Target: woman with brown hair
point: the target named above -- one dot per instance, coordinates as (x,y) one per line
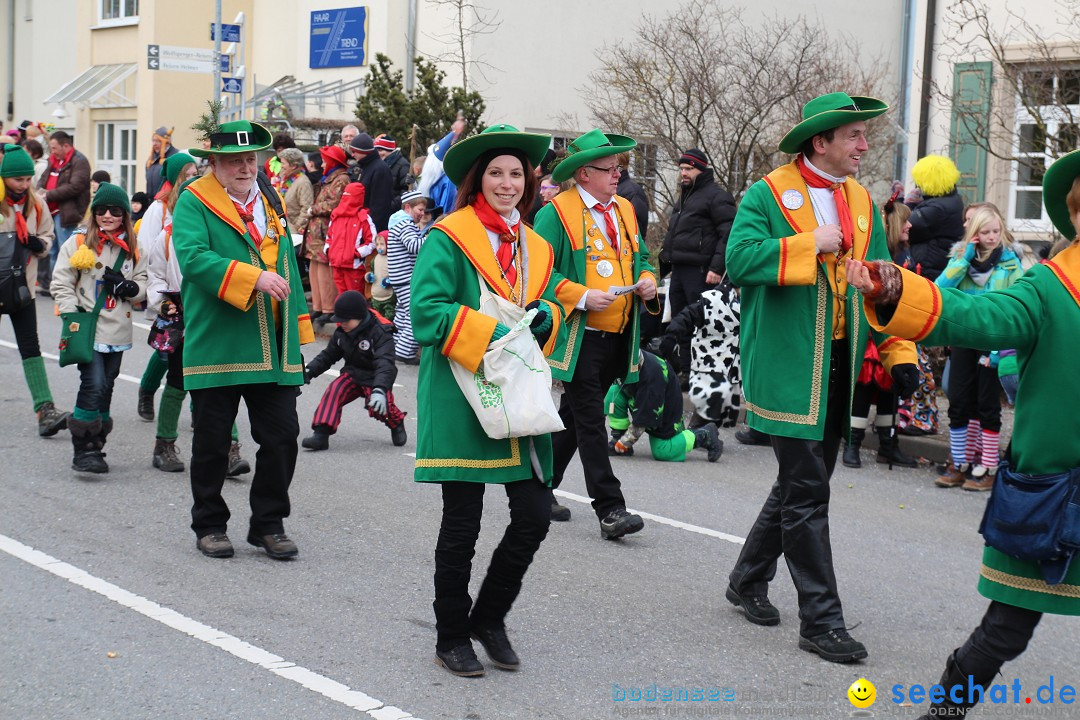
(85,269)
(26,229)
(482,247)
(327,196)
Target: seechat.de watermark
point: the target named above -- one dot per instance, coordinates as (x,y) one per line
(1050,693)
(670,693)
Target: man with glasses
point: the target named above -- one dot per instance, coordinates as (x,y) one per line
(606,276)
(245,320)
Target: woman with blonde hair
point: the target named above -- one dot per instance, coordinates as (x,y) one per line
(105,258)
(983,261)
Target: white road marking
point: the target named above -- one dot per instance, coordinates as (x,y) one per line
(330,689)
(708,532)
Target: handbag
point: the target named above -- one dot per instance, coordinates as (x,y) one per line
(1035,518)
(14,293)
(78,328)
(167,331)
(510,392)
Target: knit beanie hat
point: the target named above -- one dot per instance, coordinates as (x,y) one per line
(111,195)
(385,142)
(174,164)
(694,158)
(17,162)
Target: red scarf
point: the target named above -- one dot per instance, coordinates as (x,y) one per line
(496,223)
(117,240)
(22,232)
(163,193)
(55,166)
(816,181)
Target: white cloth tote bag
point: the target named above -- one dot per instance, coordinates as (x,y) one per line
(510,392)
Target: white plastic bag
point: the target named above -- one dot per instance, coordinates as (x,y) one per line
(510,392)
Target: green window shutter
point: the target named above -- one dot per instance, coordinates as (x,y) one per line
(970,125)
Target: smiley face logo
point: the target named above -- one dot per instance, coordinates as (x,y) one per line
(862,693)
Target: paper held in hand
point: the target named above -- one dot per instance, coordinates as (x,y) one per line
(618,290)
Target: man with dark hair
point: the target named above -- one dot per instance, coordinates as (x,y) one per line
(801,327)
(66,186)
(399,167)
(696,238)
(378,183)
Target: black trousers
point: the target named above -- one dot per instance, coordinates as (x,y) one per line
(463,505)
(601,360)
(274,427)
(687,284)
(862,397)
(1002,636)
(24,323)
(794,521)
(974,391)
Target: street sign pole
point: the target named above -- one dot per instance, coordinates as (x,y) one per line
(243,58)
(217,51)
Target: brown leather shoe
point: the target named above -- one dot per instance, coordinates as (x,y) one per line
(215,545)
(981,481)
(277,545)
(954,476)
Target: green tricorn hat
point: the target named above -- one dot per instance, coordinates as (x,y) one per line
(1057,182)
(590,146)
(826,112)
(460,157)
(238,136)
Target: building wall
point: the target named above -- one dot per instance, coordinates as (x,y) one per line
(45,59)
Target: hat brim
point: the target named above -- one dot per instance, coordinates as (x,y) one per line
(260,140)
(1057,182)
(568,165)
(811,126)
(460,157)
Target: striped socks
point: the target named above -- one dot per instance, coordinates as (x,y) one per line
(958,446)
(990,450)
(974,442)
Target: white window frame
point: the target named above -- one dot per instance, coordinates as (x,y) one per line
(1055,117)
(108,139)
(129,13)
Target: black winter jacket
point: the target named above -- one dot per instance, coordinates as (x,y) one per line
(636,195)
(937,223)
(699,226)
(368,352)
(399,172)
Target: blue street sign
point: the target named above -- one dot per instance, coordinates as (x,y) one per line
(229,33)
(232,85)
(226,63)
(338,38)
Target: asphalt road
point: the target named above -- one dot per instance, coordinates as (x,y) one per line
(109,611)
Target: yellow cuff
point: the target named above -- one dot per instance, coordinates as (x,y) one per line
(307,333)
(798,260)
(917,311)
(556,323)
(469,337)
(569,295)
(895,351)
(238,285)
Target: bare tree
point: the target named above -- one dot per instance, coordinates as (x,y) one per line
(701,76)
(469,21)
(1036,81)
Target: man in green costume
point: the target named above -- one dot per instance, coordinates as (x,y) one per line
(802,338)
(246,319)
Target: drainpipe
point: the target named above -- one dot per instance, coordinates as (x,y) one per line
(10,109)
(928,60)
(907,44)
(410,45)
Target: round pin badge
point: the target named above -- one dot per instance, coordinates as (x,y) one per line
(604,268)
(792,199)
(863,223)
(365,344)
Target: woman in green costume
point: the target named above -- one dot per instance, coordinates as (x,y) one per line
(483,241)
(1039,315)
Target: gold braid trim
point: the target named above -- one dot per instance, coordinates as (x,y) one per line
(1019,582)
(810,418)
(571,343)
(513,461)
(264,338)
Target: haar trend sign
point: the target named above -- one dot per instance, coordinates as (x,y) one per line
(339,38)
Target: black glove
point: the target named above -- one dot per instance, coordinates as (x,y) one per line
(307,376)
(118,286)
(35,244)
(905,379)
(542,324)
(667,346)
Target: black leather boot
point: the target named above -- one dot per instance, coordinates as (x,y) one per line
(84,438)
(851,452)
(707,437)
(953,675)
(889,450)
